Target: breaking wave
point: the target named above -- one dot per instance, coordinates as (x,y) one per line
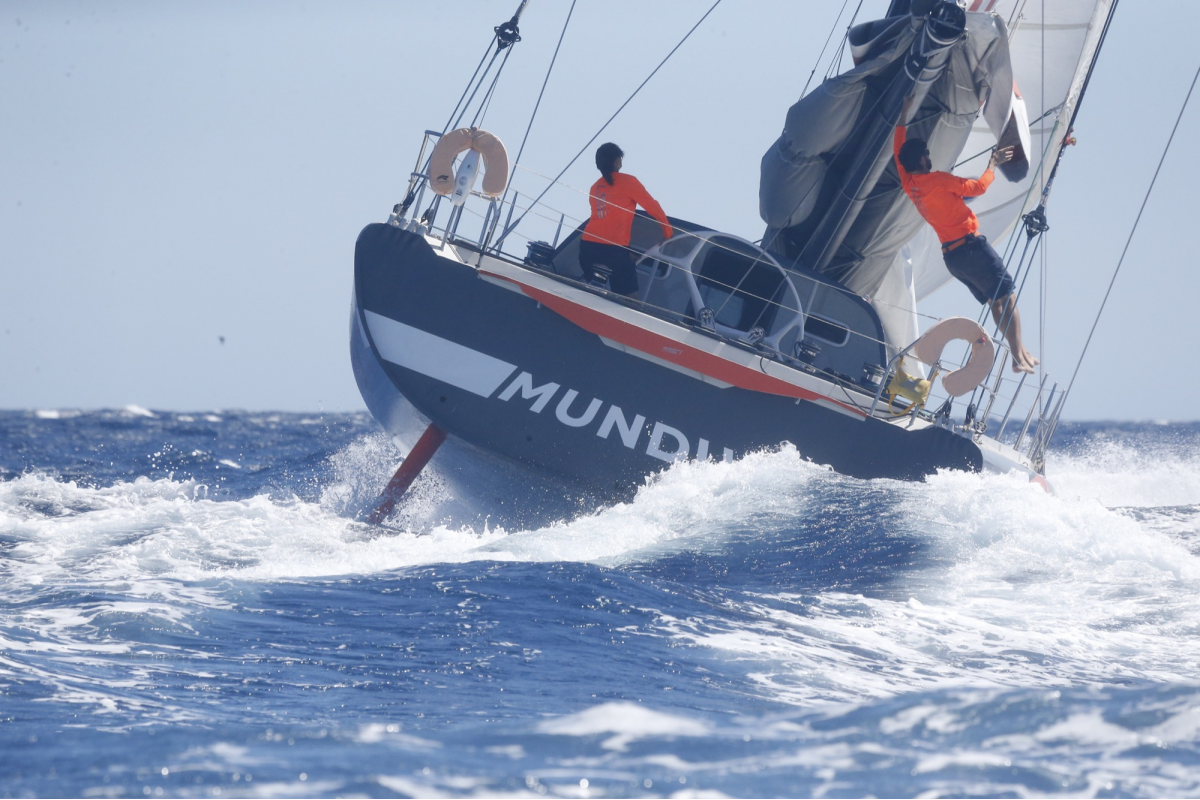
(809,612)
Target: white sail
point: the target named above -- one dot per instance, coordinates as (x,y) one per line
(1052,43)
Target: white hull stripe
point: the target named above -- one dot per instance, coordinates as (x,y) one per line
(436,357)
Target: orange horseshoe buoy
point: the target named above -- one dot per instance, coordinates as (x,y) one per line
(928,349)
(495,160)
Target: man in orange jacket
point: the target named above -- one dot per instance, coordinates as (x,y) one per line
(938,197)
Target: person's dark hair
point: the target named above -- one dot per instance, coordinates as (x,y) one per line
(606,160)
(911,153)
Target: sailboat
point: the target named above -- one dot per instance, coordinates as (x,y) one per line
(807,336)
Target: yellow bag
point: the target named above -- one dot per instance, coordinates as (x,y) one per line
(914,390)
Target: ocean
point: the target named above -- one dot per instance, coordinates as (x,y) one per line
(190,608)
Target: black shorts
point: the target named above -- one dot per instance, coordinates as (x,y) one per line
(618,259)
(980,267)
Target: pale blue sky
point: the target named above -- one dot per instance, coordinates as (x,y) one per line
(171,173)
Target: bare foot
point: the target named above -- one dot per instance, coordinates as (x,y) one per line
(1020,366)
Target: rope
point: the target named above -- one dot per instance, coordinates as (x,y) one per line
(510,228)
(1124,251)
(984,152)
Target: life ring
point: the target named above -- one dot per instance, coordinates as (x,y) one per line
(495,160)
(928,349)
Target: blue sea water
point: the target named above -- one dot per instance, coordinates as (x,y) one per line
(188,607)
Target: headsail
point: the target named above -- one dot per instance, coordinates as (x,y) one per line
(1052,46)
(996,68)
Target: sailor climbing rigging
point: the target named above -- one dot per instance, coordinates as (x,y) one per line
(938,197)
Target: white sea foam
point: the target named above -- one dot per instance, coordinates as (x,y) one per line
(137,411)
(1024,589)
(53,413)
(1115,473)
(627,721)
(993,526)
(1020,587)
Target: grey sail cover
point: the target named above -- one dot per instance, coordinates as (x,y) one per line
(1052,44)
(800,167)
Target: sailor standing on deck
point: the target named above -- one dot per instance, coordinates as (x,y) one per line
(605,239)
(938,196)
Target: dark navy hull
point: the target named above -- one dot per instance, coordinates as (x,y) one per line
(529,414)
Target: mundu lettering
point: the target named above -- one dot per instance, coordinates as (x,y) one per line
(663,441)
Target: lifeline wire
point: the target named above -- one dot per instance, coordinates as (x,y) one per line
(510,228)
(1121,261)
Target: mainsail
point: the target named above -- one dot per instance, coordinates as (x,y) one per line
(829,191)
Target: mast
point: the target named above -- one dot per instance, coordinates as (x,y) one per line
(942,25)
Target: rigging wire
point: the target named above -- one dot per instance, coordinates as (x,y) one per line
(411,195)
(1042,98)
(475,91)
(508,229)
(1035,221)
(984,152)
(503,37)
(470,83)
(545,81)
(1125,251)
(486,103)
(638,254)
(1042,271)
(835,62)
(538,104)
(1079,102)
(828,39)
(1044,299)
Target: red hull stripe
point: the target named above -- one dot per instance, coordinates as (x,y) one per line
(666,349)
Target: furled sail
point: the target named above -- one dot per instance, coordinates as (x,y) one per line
(1052,45)
(829,191)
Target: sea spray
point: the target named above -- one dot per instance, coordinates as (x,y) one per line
(757,628)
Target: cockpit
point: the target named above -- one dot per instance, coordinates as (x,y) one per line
(725,283)
(742,292)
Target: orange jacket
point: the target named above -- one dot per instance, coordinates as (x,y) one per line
(612,210)
(938,196)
